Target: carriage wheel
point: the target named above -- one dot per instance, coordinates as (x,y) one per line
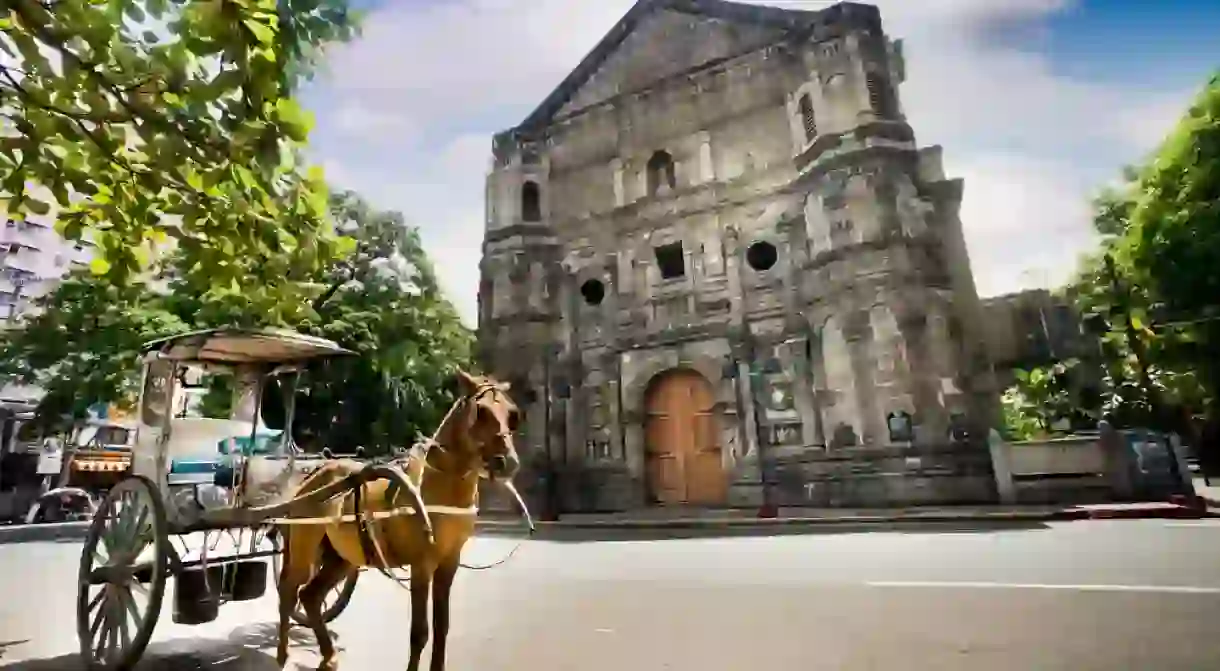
(336,600)
(122,576)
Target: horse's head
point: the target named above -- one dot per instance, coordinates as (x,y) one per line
(491,418)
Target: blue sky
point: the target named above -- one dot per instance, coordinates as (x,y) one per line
(1037,103)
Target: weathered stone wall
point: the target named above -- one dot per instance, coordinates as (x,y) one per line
(694,136)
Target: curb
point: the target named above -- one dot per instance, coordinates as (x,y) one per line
(65,531)
(57,531)
(496,527)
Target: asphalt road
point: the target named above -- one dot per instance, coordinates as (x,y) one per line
(1073,596)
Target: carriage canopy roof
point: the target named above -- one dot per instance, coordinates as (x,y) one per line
(242,346)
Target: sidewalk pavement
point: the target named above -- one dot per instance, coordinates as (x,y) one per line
(788,519)
(1210,494)
(795,519)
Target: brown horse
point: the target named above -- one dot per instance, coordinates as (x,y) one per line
(473,442)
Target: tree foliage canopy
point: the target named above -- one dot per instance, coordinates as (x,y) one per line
(1172,247)
(166,133)
(83,343)
(383,302)
(154,124)
(1161,228)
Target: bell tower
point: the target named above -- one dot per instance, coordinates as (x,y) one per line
(520,275)
(893,306)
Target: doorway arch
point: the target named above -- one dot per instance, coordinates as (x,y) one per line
(682,449)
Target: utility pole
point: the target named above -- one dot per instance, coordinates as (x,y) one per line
(1122,295)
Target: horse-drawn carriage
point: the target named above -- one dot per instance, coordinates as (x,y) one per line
(233,481)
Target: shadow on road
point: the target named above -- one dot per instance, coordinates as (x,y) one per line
(248,648)
(610,534)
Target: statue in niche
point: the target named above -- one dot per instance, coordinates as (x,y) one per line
(959,430)
(785,434)
(844,436)
(900,426)
(780,397)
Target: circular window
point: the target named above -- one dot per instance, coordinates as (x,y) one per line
(593,291)
(761,256)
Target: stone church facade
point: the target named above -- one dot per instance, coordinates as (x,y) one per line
(715,257)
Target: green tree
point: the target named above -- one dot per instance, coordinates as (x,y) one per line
(81,345)
(1172,246)
(1040,399)
(384,303)
(155,124)
(1162,231)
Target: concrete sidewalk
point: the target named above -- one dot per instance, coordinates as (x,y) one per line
(743,520)
(1210,494)
(828,518)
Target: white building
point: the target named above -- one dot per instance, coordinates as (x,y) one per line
(33,259)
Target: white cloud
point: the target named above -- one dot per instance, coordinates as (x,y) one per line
(407,113)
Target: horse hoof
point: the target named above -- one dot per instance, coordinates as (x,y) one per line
(331,665)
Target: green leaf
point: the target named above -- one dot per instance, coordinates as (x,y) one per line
(194,180)
(99,266)
(262,33)
(38,207)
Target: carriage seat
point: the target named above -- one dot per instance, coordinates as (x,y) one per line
(194,447)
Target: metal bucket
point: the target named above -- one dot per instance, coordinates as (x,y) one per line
(246,580)
(197,594)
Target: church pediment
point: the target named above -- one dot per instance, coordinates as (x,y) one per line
(662,38)
(665,44)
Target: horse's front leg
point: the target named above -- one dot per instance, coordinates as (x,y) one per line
(421,583)
(293,574)
(333,570)
(442,585)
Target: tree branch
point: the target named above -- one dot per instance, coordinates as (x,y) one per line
(332,290)
(48,36)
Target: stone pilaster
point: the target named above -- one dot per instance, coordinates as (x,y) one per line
(859,334)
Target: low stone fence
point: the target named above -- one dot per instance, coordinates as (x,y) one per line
(882,477)
(1074,469)
(1087,468)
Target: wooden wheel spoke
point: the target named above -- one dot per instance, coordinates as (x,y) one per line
(139,588)
(131,608)
(112,524)
(97,631)
(127,522)
(125,607)
(100,556)
(113,620)
(96,623)
(95,601)
(140,529)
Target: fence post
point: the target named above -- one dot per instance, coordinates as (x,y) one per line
(1001,466)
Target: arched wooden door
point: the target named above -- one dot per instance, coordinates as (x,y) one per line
(683,453)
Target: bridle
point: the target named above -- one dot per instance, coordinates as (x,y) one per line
(425,445)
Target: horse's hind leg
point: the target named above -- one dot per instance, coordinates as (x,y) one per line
(332,569)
